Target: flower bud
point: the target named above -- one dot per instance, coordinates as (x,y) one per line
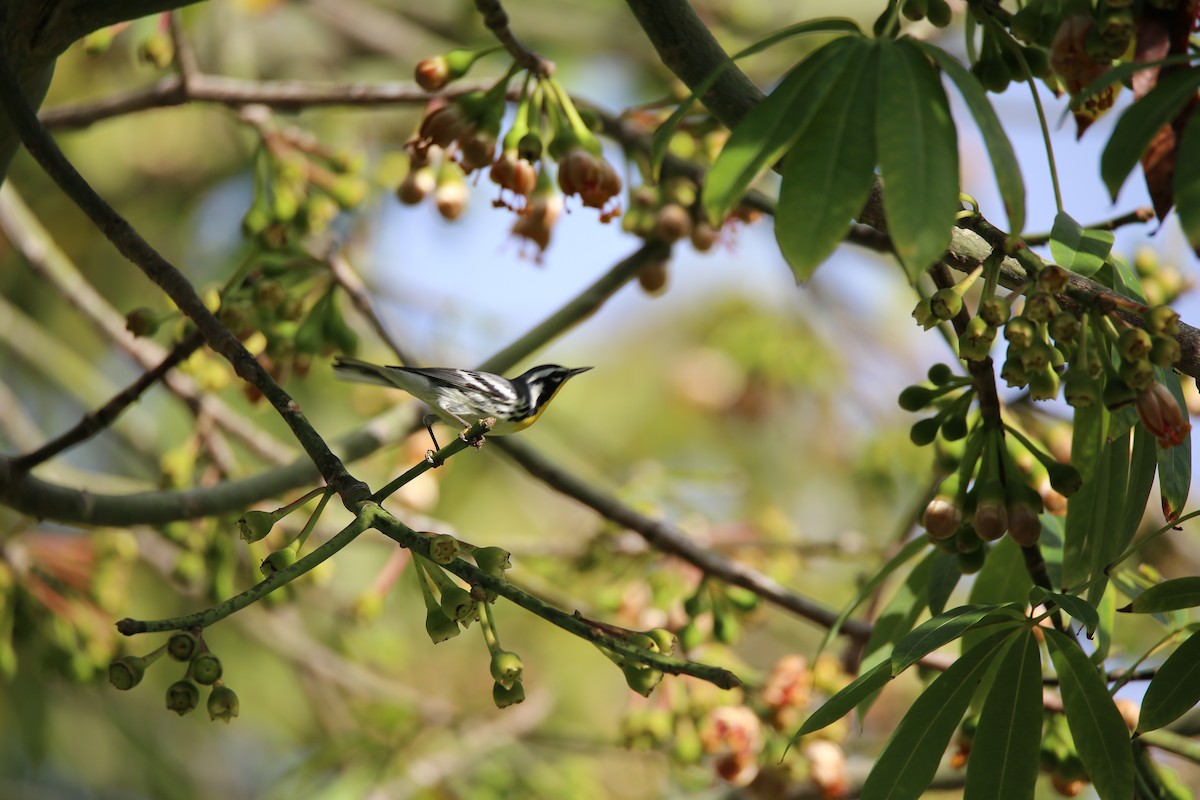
(653,278)
(1163,321)
(1134,344)
(432,74)
(942,517)
(1065,326)
(975,343)
(991,517)
(589,176)
(443,126)
(995,311)
(443,548)
(157,50)
(1013,372)
(142,322)
(1165,352)
(493,560)
(1139,375)
(672,223)
(506,668)
(1081,390)
(127,672)
(923,314)
(222,704)
(642,679)
(1020,331)
(1036,357)
(514,173)
(1064,478)
(278,561)
(1043,384)
(416,186)
(439,626)
(924,431)
(971,562)
(703,236)
(206,669)
(946,303)
(1053,279)
(664,639)
(182,645)
(1161,415)
(504,696)
(451,194)
(255,525)
(182,697)
(457,603)
(939,374)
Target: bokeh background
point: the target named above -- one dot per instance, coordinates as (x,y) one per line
(758,415)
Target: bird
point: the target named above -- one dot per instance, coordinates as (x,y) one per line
(465,397)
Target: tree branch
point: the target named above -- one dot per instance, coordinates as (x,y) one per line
(171,280)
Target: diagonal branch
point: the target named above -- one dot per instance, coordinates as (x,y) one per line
(170,279)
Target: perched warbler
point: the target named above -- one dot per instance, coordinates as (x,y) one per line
(463,397)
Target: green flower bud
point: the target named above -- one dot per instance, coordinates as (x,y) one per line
(1043,384)
(1163,321)
(439,626)
(1134,344)
(127,672)
(1138,374)
(1041,307)
(741,598)
(726,628)
(457,603)
(1064,478)
(1053,279)
(1013,372)
(940,374)
(971,562)
(504,696)
(255,525)
(975,343)
(1064,327)
(142,322)
(182,645)
(690,636)
(923,314)
(966,540)
(493,560)
(1117,394)
(182,697)
(506,668)
(1020,331)
(277,562)
(914,398)
(206,669)
(939,13)
(924,431)
(994,311)
(954,427)
(1165,352)
(1080,389)
(642,679)
(665,640)
(222,704)
(946,303)
(698,602)
(1035,358)
(443,548)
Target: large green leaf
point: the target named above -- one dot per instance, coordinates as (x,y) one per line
(1100,735)
(1167,596)
(917,147)
(1108,537)
(774,125)
(1187,180)
(1000,150)
(1081,610)
(840,704)
(1004,754)
(1003,579)
(910,757)
(945,628)
(830,169)
(1141,121)
(1175,689)
(1079,249)
(662,136)
(945,577)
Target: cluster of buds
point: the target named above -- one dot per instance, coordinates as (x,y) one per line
(300,184)
(989,490)
(936,11)
(1003,60)
(464,132)
(203,668)
(715,609)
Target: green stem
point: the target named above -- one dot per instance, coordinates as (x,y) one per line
(1172,742)
(312,520)
(1145,540)
(202,619)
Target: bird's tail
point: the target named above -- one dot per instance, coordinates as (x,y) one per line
(351,369)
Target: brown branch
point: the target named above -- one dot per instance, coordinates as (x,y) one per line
(670,539)
(130,243)
(96,421)
(496,20)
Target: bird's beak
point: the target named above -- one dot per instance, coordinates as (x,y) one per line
(577,371)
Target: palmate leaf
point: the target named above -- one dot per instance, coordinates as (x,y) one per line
(1000,149)
(1140,122)
(1100,735)
(917,150)
(830,168)
(662,136)
(1004,753)
(773,126)
(910,758)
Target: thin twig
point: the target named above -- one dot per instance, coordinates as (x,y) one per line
(352,283)
(496,20)
(96,421)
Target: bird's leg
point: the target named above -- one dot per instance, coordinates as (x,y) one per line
(431,455)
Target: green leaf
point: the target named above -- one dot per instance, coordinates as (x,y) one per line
(945,628)
(945,577)
(1088,438)
(1174,463)
(662,137)
(1003,579)
(774,125)
(1000,149)
(1187,180)
(1167,596)
(1080,609)
(1121,73)
(1079,249)
(1139,123)
(840,704)
(830,169)
(1004,754)
(917,148)
(1100,735)
(917,545)
(1142,466)
(1108,538)
(1175,689)
(910,758)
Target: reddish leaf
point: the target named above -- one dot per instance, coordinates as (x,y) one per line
(1158,164)
(1153,44)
